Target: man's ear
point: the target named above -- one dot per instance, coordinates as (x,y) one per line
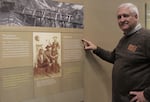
(136,16)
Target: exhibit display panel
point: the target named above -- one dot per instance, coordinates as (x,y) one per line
(21,79)
(16,66)
(41,56)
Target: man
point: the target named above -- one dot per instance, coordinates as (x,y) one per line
(130,58)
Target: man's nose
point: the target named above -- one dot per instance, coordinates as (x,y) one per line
(122,19)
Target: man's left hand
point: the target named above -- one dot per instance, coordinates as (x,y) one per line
(138,96)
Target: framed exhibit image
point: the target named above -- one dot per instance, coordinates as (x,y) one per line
(41,13)
(46,54)
(147,15)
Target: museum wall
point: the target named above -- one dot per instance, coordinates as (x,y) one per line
(102,29)
(82,76)
(22,78)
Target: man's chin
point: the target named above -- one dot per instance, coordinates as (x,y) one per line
(125,29)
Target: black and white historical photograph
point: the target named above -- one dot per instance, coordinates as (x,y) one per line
(41,13)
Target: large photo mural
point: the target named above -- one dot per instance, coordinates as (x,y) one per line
(41,13)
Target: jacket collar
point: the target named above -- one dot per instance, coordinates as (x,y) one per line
(137,27)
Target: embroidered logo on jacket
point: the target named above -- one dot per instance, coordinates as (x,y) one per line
(132,47)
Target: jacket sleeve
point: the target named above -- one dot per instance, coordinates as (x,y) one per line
(147,94)
(147,50)
(105,55)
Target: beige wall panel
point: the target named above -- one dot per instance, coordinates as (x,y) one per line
(69,87)
(148,15)
(16,49)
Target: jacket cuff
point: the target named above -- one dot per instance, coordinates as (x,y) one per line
(96,50)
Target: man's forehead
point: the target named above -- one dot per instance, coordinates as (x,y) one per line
(123,10)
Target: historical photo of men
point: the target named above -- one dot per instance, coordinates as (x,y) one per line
(46,54)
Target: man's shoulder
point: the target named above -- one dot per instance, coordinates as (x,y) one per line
(144,31)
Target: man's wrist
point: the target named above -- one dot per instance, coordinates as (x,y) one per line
(96,47)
